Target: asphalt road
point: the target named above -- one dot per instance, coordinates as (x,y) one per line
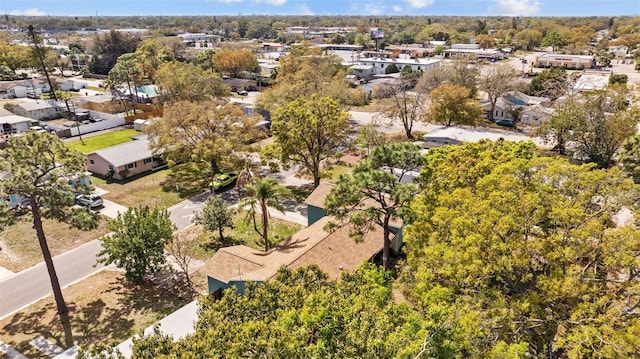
(33,284)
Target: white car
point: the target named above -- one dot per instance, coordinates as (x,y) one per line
(89,200)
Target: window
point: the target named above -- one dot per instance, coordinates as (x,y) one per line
(92,162)
(131,165)
(146,161)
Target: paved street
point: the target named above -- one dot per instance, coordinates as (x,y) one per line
(33,284)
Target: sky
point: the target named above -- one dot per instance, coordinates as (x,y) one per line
(321,7)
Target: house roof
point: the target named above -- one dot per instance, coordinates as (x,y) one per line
(37,105)
(128,152)
(14,119)
(588,82)
(462,134)
(5,85)
(5,112)
(332,252)
(316,198)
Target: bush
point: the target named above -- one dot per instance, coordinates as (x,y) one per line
(391,69)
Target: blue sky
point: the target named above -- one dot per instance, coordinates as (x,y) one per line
(322,7)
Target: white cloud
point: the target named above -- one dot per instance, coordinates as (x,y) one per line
(303,9)
(27,12)
(371,9)
(419,4)
(228,1)
(397,8)
(515,7)
(272,2)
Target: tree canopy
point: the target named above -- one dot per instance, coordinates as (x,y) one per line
(377,192)
(137,242)
(306,132)
(179,81)
(525,250)
(452,104)
(232,62)
(206,135)
(303,314)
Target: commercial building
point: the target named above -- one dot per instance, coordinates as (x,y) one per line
(574,62)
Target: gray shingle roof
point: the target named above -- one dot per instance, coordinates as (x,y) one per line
(129,152)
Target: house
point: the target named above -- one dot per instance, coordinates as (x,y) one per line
(241,84)
(473,51)
(316,211)
(38,110)
(454,135)
(124,160)
(511,104)
(13,89)
(536,115)
(14,124)
(16,200)
(619,51)
(334,252)
(378,65)
(592,80)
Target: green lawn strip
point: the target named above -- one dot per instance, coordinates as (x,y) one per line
(147,189)
(244,233)
(98,142)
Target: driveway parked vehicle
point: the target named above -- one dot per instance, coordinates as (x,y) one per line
(222,180)
(89,200)
(505,122)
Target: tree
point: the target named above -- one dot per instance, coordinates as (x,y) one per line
(106,48)
(497,81)
(456,72)
(206,135)
(179,81)
(137,242)
(527,248)
(400,102)
(528,39)
(303,314)
(126,70)
(485,41)
(306,73)
(391,69)
(216,215)
(39,54)
(183,246)
(551,83)
(630,157)
(14,57)
(376,193)
(451,104)
(38,167)
(554,39)
(263,193)
(232,62)
(306,132)
(152,53)
(618,79)
(598,123)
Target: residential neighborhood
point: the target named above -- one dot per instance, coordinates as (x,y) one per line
(319,186)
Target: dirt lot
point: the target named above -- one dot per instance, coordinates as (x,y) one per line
(20,248)
(104,309)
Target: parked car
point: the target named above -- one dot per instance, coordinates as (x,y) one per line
(505,122)
(222,180)
(89,200)
(242,92)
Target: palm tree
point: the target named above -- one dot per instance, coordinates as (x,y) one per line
(263,193)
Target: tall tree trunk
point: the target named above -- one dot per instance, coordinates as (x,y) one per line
(40,56)
(265,224)
(386,247)
(55,284)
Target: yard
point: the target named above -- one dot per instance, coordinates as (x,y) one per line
(94,143)
(20,248)
(143,190)
(104,309)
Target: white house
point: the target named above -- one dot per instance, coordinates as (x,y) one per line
(13,89)
(38,110)
(13,124)
(377,66)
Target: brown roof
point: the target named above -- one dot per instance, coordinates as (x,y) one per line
(316,198)
(311,245)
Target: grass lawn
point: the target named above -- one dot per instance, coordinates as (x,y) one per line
(371,107)
(20,248)
(243,233)
(104,309)
(336,171)
(143,190)
(94,143)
